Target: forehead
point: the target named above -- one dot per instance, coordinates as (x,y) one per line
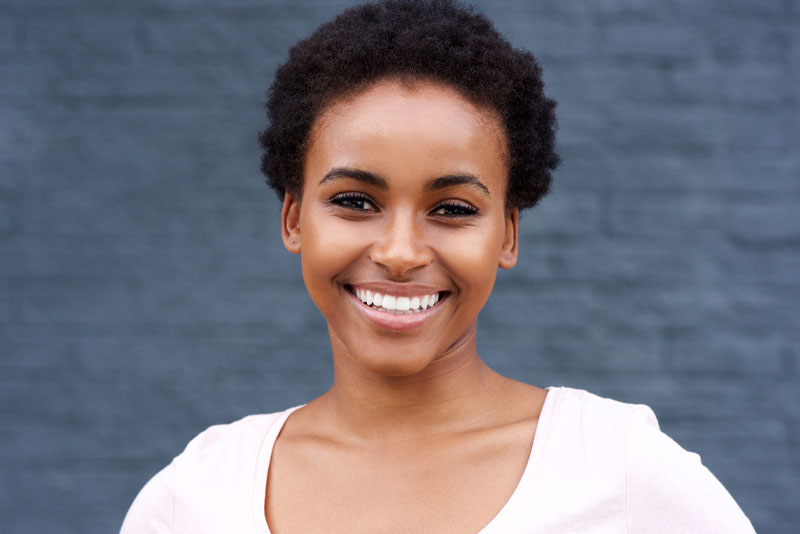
(417,127)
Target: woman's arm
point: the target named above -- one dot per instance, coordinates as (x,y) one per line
(669,490)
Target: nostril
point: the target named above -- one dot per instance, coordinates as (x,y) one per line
(400,259)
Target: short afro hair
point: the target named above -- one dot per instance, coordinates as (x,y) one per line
(437,40)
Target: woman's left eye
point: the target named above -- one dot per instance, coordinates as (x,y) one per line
(354,202)
(454,209)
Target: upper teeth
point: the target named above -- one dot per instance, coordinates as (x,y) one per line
(393,303)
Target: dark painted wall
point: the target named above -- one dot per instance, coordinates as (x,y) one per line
(144,294)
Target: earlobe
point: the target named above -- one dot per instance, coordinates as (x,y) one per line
(508,253)
(290,223)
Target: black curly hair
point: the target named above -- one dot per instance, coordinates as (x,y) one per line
(437,40)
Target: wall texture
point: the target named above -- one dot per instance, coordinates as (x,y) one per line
(144,294)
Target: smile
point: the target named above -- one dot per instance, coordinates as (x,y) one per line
(396,304)
(397,313)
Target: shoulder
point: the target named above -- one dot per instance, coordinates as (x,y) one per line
(582,437)
(668,489)
(225,439)
(216,466)
(579,400)
(616,448)
(604,423)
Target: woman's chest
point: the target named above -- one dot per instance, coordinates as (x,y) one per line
(456,487)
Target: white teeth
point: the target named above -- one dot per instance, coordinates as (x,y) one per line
(389,302)
(396,304)
(402,304)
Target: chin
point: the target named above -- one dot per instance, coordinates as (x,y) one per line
(398,366)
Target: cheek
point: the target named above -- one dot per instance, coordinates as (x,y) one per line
(326,251)
(472,258)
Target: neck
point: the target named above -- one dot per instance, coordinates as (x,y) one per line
(455,392)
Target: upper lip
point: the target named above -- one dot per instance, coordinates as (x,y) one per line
(398,290)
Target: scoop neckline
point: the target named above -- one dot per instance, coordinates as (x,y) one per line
(538,445)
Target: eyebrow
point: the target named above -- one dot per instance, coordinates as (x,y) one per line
(442,182)
(451,180)
(343,173)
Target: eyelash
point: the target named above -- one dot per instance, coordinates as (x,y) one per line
(350,201)
(356,201)
(456,209)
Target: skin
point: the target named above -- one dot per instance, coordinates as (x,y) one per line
(385,449)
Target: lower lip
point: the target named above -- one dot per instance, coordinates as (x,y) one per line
(396,322)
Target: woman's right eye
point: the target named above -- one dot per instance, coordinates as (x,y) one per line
(354,201)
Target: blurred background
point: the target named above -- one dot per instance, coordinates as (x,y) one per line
(145,295)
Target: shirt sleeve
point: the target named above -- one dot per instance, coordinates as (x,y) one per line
(669,490)
(152,512)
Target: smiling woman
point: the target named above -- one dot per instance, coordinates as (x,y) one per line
(411,204)
(405,138)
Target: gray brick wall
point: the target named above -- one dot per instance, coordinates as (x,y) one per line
(144,294)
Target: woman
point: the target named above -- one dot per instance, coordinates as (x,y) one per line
(405,138)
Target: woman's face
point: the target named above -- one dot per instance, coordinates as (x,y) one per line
(402,223)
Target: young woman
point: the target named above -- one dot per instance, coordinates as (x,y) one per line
(405,138)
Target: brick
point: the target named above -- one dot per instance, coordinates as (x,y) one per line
(550,35)
(761,10)
(160,80)
(564,323)
(122,212)
(676,399)
(138,147)
(19,135)
(679,217)
(144,256)
(750,129)
(767,266)
(5,306)
(59,486)
(717,9)
(765,221)
(609,260)
(652,131)
(733,39)
(103,37)
(619,8)
(210,37)
(725,352)
(725,173)
(758,83)
(169,301)
(633,83)
(35,6)
(571,213)
(652,40)
(7,212)
(748,437)
(656,174)
(8,36)
(33,80)
(744,174)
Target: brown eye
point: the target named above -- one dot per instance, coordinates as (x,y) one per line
(454,209)
(354,201)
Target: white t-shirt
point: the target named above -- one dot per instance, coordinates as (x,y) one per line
(596,466)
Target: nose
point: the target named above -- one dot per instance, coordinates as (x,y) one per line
(401,248)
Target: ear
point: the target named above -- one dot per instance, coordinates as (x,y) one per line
(508,252)
(290,223)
